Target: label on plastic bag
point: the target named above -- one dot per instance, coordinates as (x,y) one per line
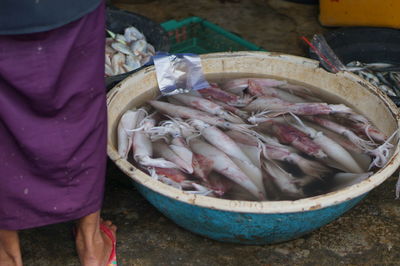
(179,73)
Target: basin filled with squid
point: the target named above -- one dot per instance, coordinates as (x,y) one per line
(265,119)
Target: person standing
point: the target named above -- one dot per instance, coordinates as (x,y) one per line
(53,124)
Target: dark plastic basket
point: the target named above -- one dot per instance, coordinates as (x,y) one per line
(117,20)
(365,44)
(199,36)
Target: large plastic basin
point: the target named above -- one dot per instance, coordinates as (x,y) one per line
(249,222)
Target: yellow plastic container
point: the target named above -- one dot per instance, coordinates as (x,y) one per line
(374,13)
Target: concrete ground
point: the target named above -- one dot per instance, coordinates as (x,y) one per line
(369,234)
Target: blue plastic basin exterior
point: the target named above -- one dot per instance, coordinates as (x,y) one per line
(244,228)
(256,222)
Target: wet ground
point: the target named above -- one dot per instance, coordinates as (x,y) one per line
(369,234)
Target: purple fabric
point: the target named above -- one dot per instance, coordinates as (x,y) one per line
(52,124)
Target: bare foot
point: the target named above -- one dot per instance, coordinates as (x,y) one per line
(94,247)
(10,253)
(7,260)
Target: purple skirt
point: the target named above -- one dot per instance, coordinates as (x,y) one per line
(53,124)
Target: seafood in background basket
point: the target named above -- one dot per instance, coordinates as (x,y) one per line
(253,139)
(126,52)
(384,76)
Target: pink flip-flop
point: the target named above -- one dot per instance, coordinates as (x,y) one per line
(112,261)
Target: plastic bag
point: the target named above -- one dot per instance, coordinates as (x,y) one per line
(326,55)
(179,73)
